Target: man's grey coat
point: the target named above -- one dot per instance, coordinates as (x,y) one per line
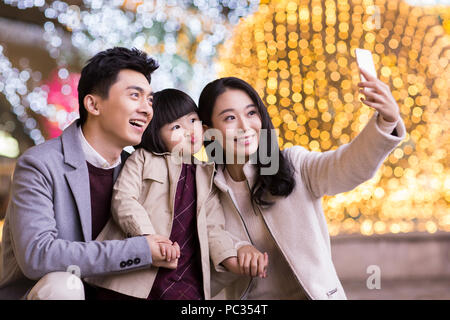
(48,221)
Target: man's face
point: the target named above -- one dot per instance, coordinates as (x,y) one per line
(127,110)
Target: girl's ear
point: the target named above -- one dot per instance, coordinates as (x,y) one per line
(91,104)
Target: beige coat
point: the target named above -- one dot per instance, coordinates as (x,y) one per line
(297,222)
(143,203)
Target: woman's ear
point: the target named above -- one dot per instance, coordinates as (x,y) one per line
(91,104)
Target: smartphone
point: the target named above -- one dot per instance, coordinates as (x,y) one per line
(365,61)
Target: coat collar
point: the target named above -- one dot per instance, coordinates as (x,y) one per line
(73,153)
(250,172)
(78,179)
(204,178)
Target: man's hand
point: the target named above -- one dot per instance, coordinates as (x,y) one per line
(165,253)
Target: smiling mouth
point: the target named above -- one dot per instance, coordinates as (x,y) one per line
(137,123)
(243,138)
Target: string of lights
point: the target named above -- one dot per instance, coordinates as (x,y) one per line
(13,84)
(181,35)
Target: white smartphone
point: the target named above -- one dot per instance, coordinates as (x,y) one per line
(365,61)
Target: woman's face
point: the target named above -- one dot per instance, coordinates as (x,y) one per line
(237,118)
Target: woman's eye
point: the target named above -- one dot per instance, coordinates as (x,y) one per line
(229,118)
(175,127)
(252,112)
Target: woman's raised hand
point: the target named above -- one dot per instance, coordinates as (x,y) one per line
(379,97)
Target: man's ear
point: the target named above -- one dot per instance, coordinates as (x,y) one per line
(91,102)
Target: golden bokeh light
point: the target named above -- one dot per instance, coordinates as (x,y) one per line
(299,56)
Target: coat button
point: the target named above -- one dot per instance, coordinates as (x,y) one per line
(130,262)
(123,264)
(137,261)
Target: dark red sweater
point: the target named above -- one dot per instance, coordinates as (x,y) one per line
(101,185)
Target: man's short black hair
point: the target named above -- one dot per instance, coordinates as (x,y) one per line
(101,71)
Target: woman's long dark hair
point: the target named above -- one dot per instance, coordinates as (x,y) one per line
(282,182)
(168,106)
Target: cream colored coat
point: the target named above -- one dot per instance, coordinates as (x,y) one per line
(143,203)
(297,222)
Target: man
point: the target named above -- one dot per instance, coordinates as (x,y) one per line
(61,189)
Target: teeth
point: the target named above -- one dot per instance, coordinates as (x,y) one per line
(137,122)
(242,138)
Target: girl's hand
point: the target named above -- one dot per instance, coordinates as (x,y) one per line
(252,262)
(170,252)
(380,98)
(165,253)
(232,265)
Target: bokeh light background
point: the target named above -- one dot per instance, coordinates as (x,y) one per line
(299,55)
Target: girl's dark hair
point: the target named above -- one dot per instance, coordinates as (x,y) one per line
(282,182)
(101,71)
(168,106)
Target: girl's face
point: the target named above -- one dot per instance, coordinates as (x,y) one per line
(237,118)
(183,135)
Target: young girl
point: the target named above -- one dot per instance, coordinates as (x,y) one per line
(163,190)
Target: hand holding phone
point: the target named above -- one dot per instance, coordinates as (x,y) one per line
(378,94)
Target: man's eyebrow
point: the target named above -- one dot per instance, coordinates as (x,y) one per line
(142,91)
(226,110)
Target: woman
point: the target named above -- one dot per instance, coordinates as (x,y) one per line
(280,212)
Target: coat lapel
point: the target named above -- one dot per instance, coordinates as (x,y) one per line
(204,180)
(78,178)
(174,175)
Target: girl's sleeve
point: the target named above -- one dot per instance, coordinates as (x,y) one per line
(343,169)
(126,210)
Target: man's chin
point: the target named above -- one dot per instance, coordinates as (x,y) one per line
(132,141)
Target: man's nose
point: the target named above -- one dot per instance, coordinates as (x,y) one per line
(146,110)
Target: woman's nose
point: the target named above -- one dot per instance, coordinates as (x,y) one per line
(243,124)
